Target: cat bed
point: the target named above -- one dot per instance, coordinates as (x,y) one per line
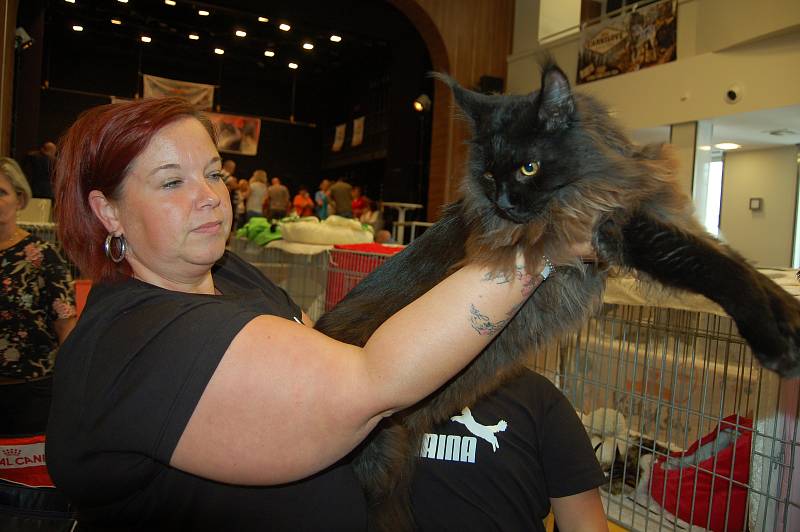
(332,230)
(260,231)
(696,485)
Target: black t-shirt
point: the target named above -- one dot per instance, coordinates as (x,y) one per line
(496,465)
(126,383)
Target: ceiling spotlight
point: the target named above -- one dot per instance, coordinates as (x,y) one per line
(285,27)
(194,37)
(293,66)
(269,53)
(203,13)
(263,19)
(308,46)
(116,21)
(241,33)
(422,103)
(727,146)
(77,28)
(145,38)
(70,1)
(122,1)
(219,51)
(170,2)
(336,38)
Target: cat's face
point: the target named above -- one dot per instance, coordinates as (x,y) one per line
(520,151)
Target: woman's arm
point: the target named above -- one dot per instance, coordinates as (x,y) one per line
(287,401)
(582,512)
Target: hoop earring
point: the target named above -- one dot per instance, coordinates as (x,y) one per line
(123,246)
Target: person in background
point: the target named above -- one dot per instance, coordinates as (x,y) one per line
(522,450)
(302,203)
(241,202)
(229,169)
(342,197)
(384,237)
(258,192)
(278,199)
(38,166)
(358,203)
(371,215)
(37,311)
(322,199)
(193,394)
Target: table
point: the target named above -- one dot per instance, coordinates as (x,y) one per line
(401,216)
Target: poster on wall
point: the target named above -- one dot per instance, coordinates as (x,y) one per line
(236,134)
(197,94)
(358,131)
(628,42)
(338,137)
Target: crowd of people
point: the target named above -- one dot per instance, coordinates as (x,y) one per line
(253,197)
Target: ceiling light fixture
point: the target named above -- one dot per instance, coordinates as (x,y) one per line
(263,19)
(203,13)
(285,27)
(122,1)
(336,38)
(293,66)
(219,51)
(170,2)
(145,38)
(704,148)
(116,21)
(77,28)
(422,103)
(70,1)
(241,33)
(194,37)
(727,146)
(269,53)
(308,46)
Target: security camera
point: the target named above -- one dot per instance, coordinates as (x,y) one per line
(733,94)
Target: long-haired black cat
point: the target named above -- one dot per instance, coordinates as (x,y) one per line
(548,170)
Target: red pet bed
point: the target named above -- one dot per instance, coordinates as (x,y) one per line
(701,478)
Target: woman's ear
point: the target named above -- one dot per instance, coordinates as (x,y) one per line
(106,212)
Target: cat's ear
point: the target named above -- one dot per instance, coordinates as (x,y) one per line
(556,105)
(474,104)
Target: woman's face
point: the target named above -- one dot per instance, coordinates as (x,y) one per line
(10,201)
(174,207)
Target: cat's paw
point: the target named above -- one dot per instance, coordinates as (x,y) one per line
(786,316)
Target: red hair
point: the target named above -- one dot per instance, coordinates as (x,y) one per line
(96,154)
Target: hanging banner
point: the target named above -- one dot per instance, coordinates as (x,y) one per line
(338,137)
(199,95)
(236,134)
(358,131)
(628,42)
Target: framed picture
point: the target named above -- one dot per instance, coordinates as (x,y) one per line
(236,134)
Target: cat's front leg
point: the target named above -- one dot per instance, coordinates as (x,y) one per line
(690,259)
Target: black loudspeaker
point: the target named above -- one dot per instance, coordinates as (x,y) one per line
(490,85)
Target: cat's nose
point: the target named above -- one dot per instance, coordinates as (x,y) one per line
(503,202)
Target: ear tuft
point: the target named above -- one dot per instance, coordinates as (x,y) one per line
(556,105)
(473,104)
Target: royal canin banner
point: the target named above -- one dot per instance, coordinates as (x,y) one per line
(22,461)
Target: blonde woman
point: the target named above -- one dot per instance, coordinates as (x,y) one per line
(258,191)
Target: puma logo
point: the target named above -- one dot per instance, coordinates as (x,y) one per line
(485,432)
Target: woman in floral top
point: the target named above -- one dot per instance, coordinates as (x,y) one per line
(37,311)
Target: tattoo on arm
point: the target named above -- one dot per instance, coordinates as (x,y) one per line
(483,324)
(497,277)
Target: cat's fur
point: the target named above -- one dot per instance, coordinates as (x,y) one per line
(592,183)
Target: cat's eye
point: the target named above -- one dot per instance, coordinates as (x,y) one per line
(530,168)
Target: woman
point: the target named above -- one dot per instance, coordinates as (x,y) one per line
(302,202)
(193,395)
(359,202)
(257,194)
(37,311)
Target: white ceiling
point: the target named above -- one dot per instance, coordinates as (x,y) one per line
(751,130)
